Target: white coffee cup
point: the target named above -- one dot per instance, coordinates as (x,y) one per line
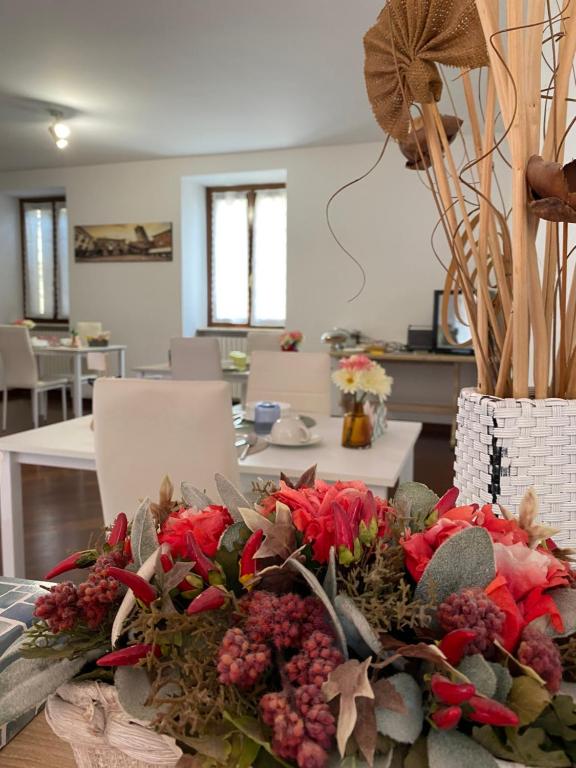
(290,430)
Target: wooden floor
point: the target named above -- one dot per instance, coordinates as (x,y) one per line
(62,510)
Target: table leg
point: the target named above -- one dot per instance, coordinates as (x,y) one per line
(407,472)
(77,387)
(11,524)
(122,363)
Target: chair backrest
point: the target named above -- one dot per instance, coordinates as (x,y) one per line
(85,328)
(195,359)
(18,361)
(145,429)
(268,341)
(299,378)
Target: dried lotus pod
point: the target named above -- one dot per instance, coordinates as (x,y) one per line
(415,146)
(552,189)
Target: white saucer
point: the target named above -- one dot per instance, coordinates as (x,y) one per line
(314,440)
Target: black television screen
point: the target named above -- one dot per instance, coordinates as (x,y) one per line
(457,322)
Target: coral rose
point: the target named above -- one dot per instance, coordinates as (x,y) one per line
(207,525)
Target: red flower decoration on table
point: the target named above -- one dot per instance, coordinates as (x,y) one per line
(206,525)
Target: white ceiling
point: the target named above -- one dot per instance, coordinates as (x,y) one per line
(158,78)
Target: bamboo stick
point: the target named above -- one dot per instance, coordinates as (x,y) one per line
(518,144)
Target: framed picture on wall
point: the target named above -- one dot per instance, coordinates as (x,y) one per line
(96,243)
(457,323)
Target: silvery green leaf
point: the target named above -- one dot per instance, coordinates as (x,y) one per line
(232,498)
(503,682)
(317,590)
(330,586)
(234,537)
(480,673)
(359,634)
(193,497)
(464,560)
(565,599)
(452,749)
(133,687)
(147,571)
(26,683)
(403,727)
(416,501)
(174,576)
(143,536)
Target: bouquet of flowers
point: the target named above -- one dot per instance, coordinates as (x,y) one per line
(359,377)
(290,341)
(322,624)
(30,324)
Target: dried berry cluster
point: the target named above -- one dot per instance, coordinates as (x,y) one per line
(295,628)
(90,603)
(472,609)
(539,651)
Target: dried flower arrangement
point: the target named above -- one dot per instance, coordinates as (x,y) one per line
(514,79)
(321,623)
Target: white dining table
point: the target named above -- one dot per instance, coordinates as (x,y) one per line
(77,354)
(164,371)
(70,445)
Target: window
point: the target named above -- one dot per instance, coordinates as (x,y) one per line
(45,259)
(247,255)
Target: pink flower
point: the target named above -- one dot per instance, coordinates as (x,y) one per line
(356,363)
(522,567)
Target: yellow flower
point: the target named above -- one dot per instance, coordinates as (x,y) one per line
(375,381)
(347,380)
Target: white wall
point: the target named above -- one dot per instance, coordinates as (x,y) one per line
(385,221)
(10,264)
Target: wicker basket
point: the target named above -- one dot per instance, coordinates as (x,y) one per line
(88,716)
(505,446)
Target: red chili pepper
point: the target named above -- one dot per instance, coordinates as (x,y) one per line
(451,693)
(448,501)
(82,559)
(247,561)
(127,550)
(118,532)
(446,717)
(202,565)
(142,589)
(454,644)
(491,712)
(209,600)
(166,563)
(128,657)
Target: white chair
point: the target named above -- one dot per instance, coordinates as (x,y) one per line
(146,429)
(195,359)
(20,371)
(267,341)
(299,378)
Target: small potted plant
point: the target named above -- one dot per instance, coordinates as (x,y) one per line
(290,341)
(361,380)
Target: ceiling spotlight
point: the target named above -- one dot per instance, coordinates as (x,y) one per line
(59,131)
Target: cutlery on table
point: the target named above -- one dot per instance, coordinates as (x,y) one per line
(251,441)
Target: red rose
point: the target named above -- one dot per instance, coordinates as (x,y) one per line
(207,526)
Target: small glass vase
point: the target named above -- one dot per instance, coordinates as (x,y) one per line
(357,428)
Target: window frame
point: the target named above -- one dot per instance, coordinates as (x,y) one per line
(251,189)
(55,320)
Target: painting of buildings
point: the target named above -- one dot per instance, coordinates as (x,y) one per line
(123,242)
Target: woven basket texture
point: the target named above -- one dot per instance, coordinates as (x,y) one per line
(504,446)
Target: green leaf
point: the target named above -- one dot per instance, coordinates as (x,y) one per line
(503,682)
(359,634)
(133,688)
(464,560)
(560,718)
(417,757)
(528,699)
(143,536)
(406,727)
(26,683)
(231,496)
(480,673)
(415,501)
(452,749)
(215,747)
(192,497)
(565,599)
(251,728)
(526,748)
(329,585)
